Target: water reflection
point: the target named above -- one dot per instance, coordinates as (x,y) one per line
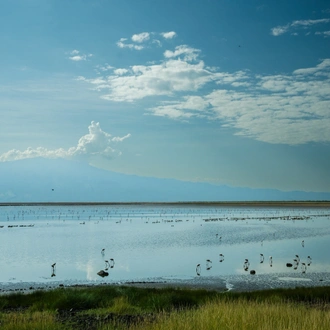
(160,242)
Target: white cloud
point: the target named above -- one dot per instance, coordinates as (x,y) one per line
(141,37)
(309,22)
(281,29)
(76,56)
(278,30)
(120,72)
(146,38)
(95,143)
(320,68)
(165,78)
(189,107)
(278,109)
(120,139)
(290,108)
(104,68)
(122,44)
(324,33)
(168,35)
(188,52)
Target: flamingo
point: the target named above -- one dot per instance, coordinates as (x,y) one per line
(309,259)
(198,269)
(53,269)
(246,264)
(208,264)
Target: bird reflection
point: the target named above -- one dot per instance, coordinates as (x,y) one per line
(198,270)
(309,260)
(53,269)
(208,264)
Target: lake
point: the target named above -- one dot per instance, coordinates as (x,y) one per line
(70,244)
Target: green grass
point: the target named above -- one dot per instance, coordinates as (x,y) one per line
(114,307)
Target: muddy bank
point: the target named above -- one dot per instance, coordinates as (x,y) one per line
(237,283)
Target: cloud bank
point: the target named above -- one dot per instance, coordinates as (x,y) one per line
(291,108)
(95,143)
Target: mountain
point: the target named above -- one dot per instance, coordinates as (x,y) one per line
(59,180)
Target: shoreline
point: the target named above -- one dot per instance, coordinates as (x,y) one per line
(295,203)
(235,283)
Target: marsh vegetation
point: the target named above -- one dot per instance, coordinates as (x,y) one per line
(126,307)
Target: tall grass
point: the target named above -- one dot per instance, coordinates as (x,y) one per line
(114,307)
(29,321)
(242,315)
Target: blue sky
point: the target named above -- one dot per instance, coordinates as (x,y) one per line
(234,93)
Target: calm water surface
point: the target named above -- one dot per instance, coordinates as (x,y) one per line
(163,242)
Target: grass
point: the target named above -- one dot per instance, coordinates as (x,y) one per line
(114,307)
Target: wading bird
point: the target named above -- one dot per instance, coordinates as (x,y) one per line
(246,264)
(198,269)
(53,269)
(112,263)
(309,260)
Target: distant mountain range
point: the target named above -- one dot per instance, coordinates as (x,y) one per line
(59,180)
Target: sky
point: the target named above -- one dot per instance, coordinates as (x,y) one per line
(219,91)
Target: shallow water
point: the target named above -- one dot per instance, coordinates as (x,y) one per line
(160,242)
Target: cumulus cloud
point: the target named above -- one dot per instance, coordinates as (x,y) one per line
(120,72)
(190,106)
(166,78)
(76,56)
(280,109)
(281,29)
(144,40)
(95,143)
(188,52)
(104,68)
(141,37)
(290,108)
(278,30)
(123,44)
(168,35)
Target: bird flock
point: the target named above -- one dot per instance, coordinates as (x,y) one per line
(172,216)
(295,262)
